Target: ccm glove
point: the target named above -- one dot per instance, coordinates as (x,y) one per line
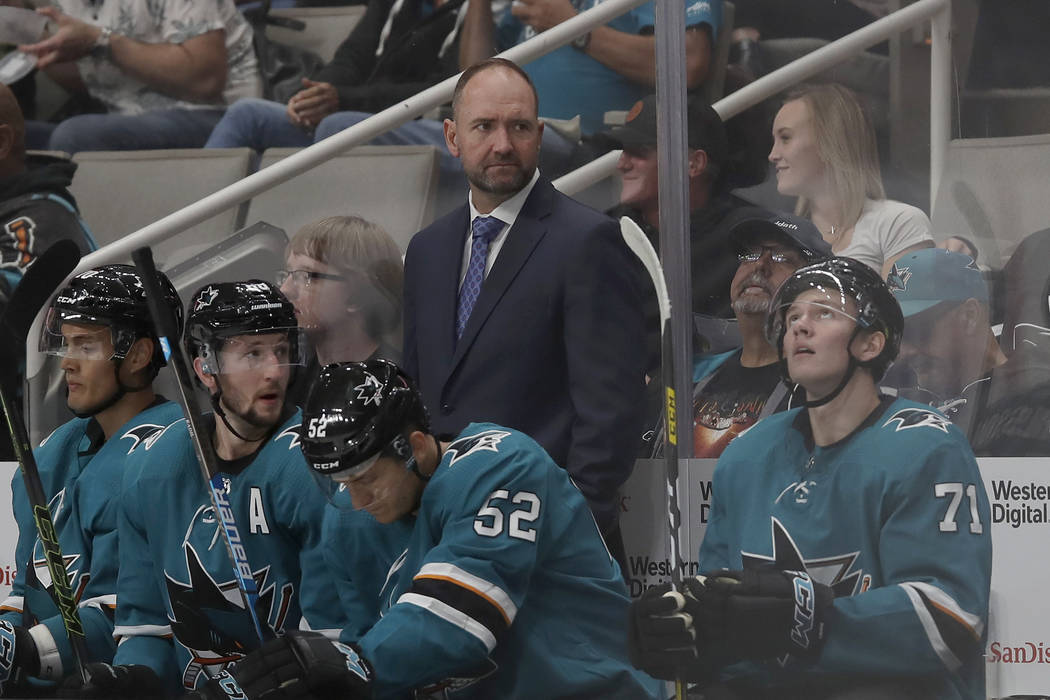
(765,613)
(106,681)
(298,664)
(18,657)
(662,635)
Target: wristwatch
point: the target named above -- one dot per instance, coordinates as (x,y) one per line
(580,43)
(101,47)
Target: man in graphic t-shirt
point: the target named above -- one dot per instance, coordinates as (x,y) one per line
(734,390)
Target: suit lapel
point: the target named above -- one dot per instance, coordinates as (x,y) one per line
(524,235)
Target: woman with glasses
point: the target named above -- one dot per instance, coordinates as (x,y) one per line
(343,274)
(824,153)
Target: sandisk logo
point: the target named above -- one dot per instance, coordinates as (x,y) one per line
(1022,653)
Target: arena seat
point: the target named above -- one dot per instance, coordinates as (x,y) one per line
(393,186)
(119,192)
(326,27)
(993,192)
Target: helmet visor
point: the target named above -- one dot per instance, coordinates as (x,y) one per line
(330,478)
(279,347)
(82,337)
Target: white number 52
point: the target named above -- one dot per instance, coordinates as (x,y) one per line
(489,520)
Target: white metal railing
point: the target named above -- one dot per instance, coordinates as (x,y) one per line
(820,60)
(543,43)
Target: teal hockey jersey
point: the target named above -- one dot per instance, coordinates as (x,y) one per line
(179,609)
(894,518)
(499,587)
(80,475)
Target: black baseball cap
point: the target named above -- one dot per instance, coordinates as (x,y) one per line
(798,230)
(706,130)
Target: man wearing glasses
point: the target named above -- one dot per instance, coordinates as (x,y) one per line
(736,389)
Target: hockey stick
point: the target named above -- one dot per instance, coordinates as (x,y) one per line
(640,246)
(168,333)
(33,291)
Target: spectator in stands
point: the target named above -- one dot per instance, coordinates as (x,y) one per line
(736,389)
(824,153)
(36,210)
(523,306)
(164,71)
(609,68)
(948,341)
(710,204)
(958,244)
(343,276)
(395,51)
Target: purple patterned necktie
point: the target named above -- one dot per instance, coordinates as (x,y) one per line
(484,230)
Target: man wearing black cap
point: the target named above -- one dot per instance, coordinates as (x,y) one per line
(714,261)
(736,389)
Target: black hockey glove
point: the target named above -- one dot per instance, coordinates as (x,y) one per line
(662,637)
(765,613)
(297,664)
(18,657)
(106,681)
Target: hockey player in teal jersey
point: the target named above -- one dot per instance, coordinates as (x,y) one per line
(848,548)
(179,612)
(495,582)
(100,326)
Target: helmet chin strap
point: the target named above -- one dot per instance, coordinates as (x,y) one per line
(217,406)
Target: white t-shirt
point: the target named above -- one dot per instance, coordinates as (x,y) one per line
(884,229)
(164,22)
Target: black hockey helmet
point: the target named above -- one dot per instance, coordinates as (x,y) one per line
(841,279)
(357,412)
(226,309)
(112,296)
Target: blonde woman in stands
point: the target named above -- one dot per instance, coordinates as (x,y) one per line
(344,274)
(825,154)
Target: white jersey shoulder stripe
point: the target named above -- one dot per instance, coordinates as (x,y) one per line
(12,604)
(142,631)
(929,625)
(109,601)
(475,584)
(451,615)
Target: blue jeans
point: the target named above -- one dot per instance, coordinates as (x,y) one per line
(162,128)
(261,124)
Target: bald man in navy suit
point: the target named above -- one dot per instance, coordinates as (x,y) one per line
(523,306)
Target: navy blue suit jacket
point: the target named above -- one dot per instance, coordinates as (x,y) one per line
(555,345)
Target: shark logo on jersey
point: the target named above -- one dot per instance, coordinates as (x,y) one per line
(831,571)
(145,435)
(465,446)
(292,432)
(71,560)
(917,418)
(370,391)
(207,616)
(898,278)
(205,298)
(834,571)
